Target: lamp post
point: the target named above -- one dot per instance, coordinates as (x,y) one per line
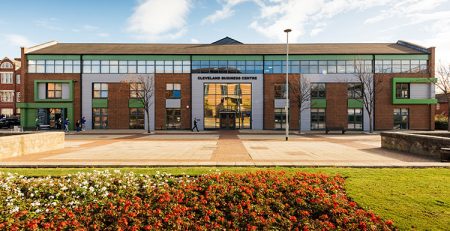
(286,109)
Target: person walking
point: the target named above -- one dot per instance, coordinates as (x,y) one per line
(36,123)
(83,124)
(195,125)
(66,125)
(78,125)
(59,123)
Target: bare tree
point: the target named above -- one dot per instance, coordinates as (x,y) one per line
(371,86)
(443,83)
(300,90)
(143,89)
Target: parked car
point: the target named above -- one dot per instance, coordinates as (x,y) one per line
(9,122)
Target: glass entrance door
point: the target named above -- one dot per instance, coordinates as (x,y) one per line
(227,120)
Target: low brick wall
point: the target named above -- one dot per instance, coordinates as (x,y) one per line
(27,143)
(425,144)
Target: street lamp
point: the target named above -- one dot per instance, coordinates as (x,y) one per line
(286,109)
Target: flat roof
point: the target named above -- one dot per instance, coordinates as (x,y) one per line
(224,49)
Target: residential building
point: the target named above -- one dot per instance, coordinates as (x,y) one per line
(10,82)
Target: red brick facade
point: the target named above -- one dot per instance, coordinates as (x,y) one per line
(14,86)
(160,99)
(118,112)
(336,111)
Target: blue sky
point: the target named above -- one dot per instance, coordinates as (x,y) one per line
(30,22)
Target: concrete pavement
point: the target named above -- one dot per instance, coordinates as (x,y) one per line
(224,148)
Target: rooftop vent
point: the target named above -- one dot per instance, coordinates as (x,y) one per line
(226,41)
(413,46)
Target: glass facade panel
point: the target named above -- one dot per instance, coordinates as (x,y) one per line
(401,118)
(227,104)
(355,119)
(173,118)
(317,118)
(137,116)
(280,118)
(100,118)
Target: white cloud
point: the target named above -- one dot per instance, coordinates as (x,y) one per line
(194,40)
(159,19)
(49,24)
(18,40)
(224,13)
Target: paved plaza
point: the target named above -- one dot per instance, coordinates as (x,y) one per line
(224,148)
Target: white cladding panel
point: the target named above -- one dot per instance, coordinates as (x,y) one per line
(173,103)
(257,94)
(42,90)
(280,103)
(65,91)
(86,93)
(420,90)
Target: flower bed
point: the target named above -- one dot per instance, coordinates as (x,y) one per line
(126,201)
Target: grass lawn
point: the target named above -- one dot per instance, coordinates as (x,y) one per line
(413,198)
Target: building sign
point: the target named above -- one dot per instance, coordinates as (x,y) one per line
(227,77)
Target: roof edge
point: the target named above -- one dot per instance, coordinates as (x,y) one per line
(40,46)
(413,46)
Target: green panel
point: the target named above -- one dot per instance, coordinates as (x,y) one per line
(355,103)
(318,103)
(228,57)
(414,57)
(136,57)
(36,93)
(318,57)
(53,57)
(411,101)
(30,112)
(96,103)
(135,103)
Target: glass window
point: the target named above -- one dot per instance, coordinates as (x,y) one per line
(87,66)
(350,66)
(318,90)
(49,66)
(6,77)
(40,66)
(76,66)
(378,66)
(355,119)
(31,66)
(17,79)
(68,66)
(406,66)
(387,66)
(95,66)
(173,118)
(113,66)
(280,118)
(100,90)
(423,66)
(402,90)
(173,90)
(123,67)
(6,96)
(136,90)
(332,67)
(340,66)
(317,118)
(59,66)
(18,96)
(355,91)
(415,66)
(323,69)
(105,66)
(136,120)
(132,67)
(396,66)
(401,118)
(6,65)
(100,118)
(54,90)
(280,91)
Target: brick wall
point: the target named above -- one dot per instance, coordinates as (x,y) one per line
(160,96)
(421,117)
(336,111)
(118,112)
(269,95)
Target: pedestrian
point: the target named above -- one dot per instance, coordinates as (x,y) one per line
(78,125)
(36,123)
(59,123)
(83,124)
(195,124)
(66,125)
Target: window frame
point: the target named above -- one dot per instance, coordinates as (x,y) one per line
(100,90)
(57,93)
